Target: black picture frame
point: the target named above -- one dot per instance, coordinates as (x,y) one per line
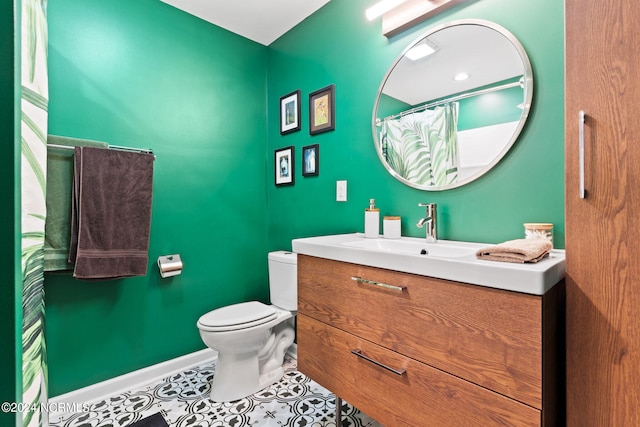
(322,110)
(290,113)
(311,160)
(284,166)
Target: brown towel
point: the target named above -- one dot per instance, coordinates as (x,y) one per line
(111,213)
(519,251)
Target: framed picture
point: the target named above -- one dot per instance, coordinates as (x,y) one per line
(311,160)
(290,112)
(284,166)
(322,113)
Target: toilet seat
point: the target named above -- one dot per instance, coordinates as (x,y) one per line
(237,316)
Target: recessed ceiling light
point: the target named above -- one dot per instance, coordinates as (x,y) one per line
(381,8)
(461,77)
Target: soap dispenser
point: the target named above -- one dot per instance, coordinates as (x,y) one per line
(372,220)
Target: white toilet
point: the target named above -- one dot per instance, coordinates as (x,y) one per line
(251,338)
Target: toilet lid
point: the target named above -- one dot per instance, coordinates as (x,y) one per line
(237,316)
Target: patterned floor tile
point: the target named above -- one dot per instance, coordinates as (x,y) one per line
(183,400)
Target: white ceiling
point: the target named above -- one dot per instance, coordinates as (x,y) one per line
(485,54)
(262,21)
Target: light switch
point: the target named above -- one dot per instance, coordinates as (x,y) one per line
(341,191)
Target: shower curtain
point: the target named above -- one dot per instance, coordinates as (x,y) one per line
(422,147)
(33,132)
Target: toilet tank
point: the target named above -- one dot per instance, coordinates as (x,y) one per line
(283,279)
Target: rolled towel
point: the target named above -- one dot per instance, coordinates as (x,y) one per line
(518,251)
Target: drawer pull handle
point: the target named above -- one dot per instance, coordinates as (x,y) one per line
(382,285)
(581,119)
(358,353)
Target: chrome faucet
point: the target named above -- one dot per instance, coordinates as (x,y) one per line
(430,220)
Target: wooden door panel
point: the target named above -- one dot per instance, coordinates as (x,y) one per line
(603,342)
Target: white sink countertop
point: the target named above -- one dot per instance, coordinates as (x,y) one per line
(445,259)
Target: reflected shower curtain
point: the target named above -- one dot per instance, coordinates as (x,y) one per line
(422,147)
(34,105)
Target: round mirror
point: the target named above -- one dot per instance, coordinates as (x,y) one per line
(452,105)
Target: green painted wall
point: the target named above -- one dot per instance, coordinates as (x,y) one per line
(478,111)
(490,109)
(338,45)
(10,291)
(143,74)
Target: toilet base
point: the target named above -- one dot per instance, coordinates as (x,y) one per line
(239,375)
(236,377)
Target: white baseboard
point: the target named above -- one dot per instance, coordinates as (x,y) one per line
(117,385)
(114,386)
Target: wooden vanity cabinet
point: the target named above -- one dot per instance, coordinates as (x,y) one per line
(410,350)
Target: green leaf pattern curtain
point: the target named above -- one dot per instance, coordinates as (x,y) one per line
(34,105)
(422,147)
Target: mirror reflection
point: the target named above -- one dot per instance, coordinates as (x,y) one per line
(452,104)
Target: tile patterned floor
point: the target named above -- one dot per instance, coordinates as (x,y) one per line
(183,400)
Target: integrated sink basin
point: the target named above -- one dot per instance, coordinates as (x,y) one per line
(445,259)
(409,246)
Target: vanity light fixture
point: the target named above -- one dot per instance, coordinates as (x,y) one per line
(404,14)
(381,8)
(461,77)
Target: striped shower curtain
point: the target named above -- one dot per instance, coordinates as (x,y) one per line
(33,131)
(422,147)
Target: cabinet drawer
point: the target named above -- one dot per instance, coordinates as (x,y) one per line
(420,396)
(489,337)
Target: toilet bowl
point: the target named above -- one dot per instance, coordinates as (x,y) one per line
(251,338)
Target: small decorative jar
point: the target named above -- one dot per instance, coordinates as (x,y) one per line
(536,230)
(391,227)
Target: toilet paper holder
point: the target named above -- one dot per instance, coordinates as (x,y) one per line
(169,265)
